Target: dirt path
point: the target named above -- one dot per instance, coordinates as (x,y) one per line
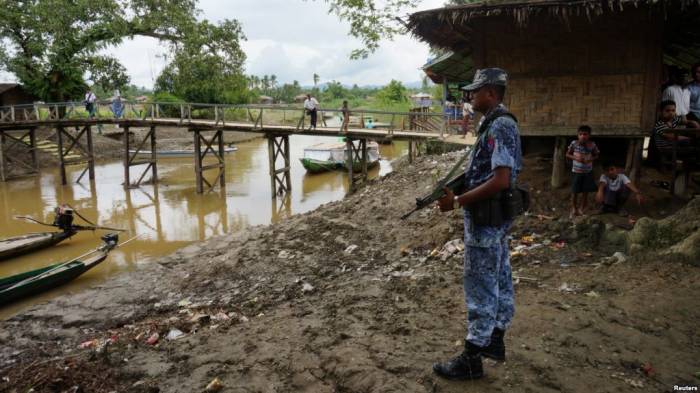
(348,298)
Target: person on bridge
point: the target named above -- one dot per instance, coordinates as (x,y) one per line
(311,107)
(90,100)
(493,167)
(117,105)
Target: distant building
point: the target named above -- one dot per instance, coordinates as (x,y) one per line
(422,100)
(300,98)
(15,94)
(267,100)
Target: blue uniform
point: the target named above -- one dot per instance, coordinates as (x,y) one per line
(488,285)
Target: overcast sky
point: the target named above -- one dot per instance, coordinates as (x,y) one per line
(292,39)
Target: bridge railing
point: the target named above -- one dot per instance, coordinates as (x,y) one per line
(257,115)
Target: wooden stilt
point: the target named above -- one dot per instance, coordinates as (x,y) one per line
(410,151)
(280,178)
(271,163)
(222,172)
(3,177)
(363,146)
(635,172)
(32,146)
(351,178)
(154,164)
(198,162)
(127,181)
(61,156)
(91,153)
(559,162)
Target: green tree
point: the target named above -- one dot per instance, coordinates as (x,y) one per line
(53,47)
(393,92)
(374,20)
(334,90)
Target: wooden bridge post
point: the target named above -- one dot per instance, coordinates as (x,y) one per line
(91,154)
(154,165)
(411,147)
(61,156)
(127,180)
(276,146)
(222,178)
(356,154)
(216,140)
(2,156)
(349,148)
(199,177)
(32,146)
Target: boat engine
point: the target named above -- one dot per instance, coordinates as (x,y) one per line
(63,218)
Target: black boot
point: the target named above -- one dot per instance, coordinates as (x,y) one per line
(466,365)
(496,349)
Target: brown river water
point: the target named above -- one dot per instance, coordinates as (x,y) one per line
(167,216)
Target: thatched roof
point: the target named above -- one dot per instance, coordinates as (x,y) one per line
(451,27)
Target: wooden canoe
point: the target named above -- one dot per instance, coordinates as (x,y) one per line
(19,245)
(32,282)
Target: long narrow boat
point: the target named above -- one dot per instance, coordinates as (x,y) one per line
(325,157)
(36,281)
(19,245)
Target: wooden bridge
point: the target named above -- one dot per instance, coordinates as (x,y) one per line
(207,123)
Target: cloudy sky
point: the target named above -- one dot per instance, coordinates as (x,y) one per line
(292,39)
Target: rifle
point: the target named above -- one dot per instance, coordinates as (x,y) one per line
(454,181)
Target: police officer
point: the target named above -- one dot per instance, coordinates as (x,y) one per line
(488,288)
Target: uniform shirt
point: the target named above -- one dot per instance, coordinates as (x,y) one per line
(680,96)
(310,104)
(694,89)
(658,133)
(498,146)
(584,151)
(616,183)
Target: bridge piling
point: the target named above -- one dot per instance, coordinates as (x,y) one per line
(356,156)
(217,140)
(8,141)
(2,157)
(280,178)
(130,156)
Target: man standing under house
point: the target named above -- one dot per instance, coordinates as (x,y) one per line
(311,107)
(694,89)
(676,92)
(488,288)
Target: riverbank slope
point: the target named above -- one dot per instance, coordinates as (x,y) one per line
(349,298)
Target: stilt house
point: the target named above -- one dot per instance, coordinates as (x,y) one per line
(595,62)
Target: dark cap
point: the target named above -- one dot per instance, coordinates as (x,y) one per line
(487,76)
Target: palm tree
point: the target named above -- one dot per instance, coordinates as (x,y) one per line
(316,79)
(273,81)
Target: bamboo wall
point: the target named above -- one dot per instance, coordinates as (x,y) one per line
(604,73)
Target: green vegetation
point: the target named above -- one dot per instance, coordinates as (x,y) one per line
(54,47)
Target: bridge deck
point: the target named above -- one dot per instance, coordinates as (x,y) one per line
(227,126)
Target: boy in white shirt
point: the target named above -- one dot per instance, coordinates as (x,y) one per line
(614,190)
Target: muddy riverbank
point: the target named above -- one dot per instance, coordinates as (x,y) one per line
(348,298)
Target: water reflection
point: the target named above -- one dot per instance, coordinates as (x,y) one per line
(168,215)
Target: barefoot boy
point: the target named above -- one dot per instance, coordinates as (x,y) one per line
(582,152)
(614,189)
